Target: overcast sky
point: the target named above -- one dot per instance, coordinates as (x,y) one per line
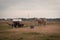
(29,8)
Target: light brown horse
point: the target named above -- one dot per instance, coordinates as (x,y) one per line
(41,21)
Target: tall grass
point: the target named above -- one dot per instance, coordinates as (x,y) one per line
(4,26)
(28,36)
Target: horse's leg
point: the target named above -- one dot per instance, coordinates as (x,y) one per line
(12,25)
(19,25)
(39,23)
(44,23)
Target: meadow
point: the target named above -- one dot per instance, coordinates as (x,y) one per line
(51,31)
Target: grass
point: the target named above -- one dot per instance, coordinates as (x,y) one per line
(13,35)
(5,26)
(28,36)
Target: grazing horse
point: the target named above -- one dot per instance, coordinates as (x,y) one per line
(44,21)
(41,21)
(17,23)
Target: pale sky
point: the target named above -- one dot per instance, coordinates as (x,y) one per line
(29,8)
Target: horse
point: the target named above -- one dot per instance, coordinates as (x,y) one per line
(41,21)
(15,23)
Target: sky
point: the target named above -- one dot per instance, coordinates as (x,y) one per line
(29,8)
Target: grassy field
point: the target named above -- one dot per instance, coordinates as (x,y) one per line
(4,27)
(48,32)
(28,36)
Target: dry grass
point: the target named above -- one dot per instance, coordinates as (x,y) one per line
(47,32)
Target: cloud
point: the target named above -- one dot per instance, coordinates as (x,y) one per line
(4,4)
(44,8)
